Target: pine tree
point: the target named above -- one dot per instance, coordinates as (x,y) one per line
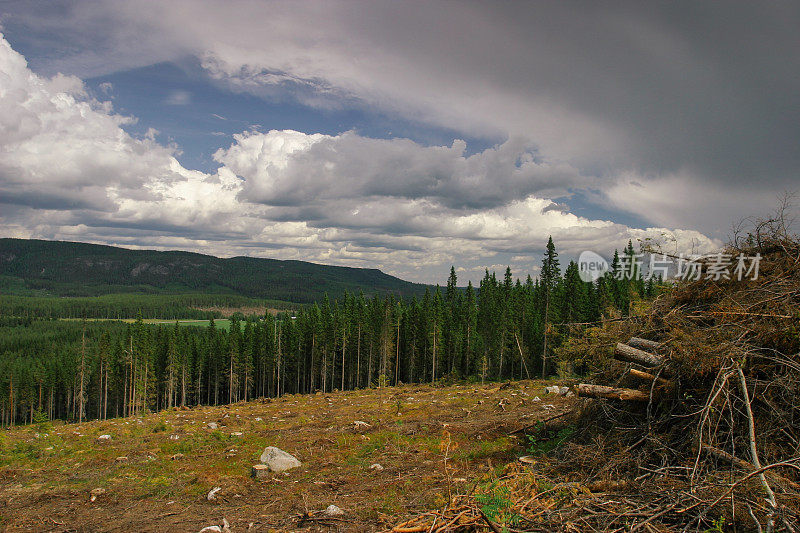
(550,275)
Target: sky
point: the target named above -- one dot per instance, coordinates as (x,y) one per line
(404,136)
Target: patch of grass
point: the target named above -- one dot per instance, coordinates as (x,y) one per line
(25,451)
(542,443)
(381,440)
(485,448)
(179,446)
(159,485)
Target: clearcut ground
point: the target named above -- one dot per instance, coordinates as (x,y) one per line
(157,469)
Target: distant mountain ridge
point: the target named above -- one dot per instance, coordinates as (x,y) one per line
(63,268)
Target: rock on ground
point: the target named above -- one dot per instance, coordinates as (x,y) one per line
(332,510)
(226,528)
(278,460)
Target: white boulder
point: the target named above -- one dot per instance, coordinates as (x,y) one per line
(278,460)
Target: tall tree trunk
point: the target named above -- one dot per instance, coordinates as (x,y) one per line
(11,398)
(433,364)
(369,368)
(544,345)
(344,347)
(278,381)
(313,345)
(171,381)
(323,368)
(83,368)
(105,396)
(397,355)
(358,359)
(144,393)
(230,380)
(125,394)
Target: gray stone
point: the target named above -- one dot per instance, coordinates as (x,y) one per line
(332,510)
(278,460)
(226,528)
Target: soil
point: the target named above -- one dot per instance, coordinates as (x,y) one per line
(157,469)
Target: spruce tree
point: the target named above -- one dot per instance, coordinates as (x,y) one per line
(550,275)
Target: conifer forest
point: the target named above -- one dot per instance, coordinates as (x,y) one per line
(505,328)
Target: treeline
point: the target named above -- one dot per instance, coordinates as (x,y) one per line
(120,306)
(503,329)
(31,267)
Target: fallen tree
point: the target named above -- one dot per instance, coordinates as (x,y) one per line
(586,390)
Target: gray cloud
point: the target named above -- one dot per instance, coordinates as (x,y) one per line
(293,168)
(707,92)
(684,113)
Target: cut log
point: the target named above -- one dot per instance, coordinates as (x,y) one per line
(612,393)
(646,376)
(645,344)
(623,352)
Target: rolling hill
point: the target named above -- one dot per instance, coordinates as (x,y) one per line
(59,268)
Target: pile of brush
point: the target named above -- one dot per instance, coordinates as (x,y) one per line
(704,402)
(692,418)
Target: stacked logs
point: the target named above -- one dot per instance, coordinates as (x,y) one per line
(647,365)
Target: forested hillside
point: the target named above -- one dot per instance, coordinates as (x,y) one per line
(57,268)
(504,329)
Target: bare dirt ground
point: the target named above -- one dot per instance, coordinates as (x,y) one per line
(157,469)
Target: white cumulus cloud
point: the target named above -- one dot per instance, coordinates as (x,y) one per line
(69,170)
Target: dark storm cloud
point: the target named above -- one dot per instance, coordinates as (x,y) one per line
(660,86)
(685,113)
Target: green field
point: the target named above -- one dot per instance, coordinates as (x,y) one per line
(220,323)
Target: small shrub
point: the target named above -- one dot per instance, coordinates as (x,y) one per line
(496,504)
(43,424)
(541,443)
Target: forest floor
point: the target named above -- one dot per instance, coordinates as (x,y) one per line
(47,474)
